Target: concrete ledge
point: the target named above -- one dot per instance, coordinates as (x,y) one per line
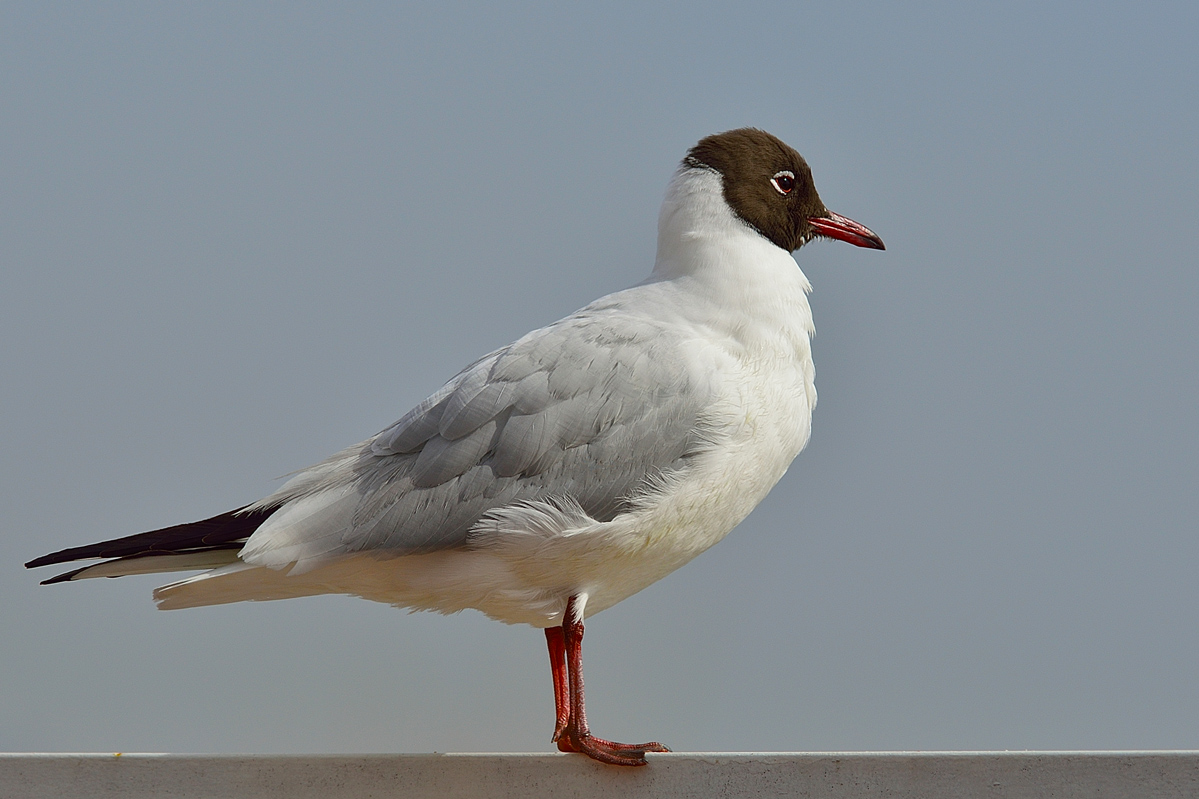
(860,775)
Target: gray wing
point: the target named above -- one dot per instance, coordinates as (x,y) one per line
(587,409)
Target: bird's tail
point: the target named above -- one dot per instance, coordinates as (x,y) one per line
(205,544)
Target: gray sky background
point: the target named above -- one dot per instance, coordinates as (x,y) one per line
(237,237)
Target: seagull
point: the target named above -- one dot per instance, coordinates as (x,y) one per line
(558,475)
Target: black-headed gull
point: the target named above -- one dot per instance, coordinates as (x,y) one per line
(556,476)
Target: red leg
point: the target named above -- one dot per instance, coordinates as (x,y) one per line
(556,640)
(575,732)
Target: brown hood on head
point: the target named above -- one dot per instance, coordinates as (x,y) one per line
(768,185)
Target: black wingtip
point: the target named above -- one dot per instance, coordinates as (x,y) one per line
(219,532)
(44,560)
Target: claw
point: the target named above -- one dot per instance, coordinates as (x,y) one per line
(616,754)
(570,730)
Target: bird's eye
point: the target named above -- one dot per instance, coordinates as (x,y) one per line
(783,182)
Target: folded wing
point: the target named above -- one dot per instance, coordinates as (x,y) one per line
(586,410)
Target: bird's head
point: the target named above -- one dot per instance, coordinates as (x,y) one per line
(768,185)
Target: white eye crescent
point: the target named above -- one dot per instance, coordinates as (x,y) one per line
(783,182)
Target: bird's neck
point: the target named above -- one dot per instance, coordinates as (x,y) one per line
(739,276)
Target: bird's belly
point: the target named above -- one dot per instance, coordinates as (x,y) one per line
(763,429)
(521,576)
(701,508)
